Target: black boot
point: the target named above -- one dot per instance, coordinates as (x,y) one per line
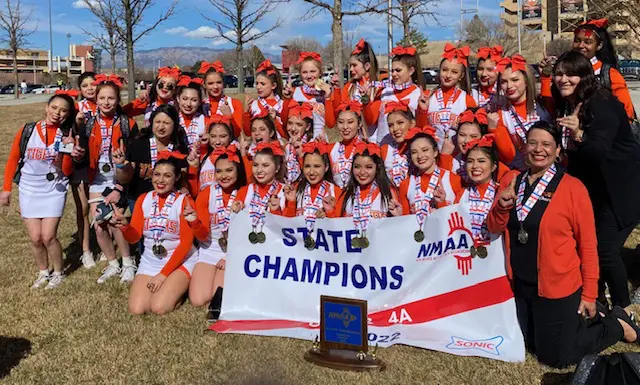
(214,306)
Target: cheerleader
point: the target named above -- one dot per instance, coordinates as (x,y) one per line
(396,162)
(263,130)
(314,91)
(162,92)
(107,138)
(220,136)
(269,88)
(452,96)
(169,256)
(79,181)
(300,132)
(428,186)
(213,207)
(407,84)
(486,94)
(342,153)
(192,120)
(216,103)
(41,171)
(369,194)
(313,195)
(519,112)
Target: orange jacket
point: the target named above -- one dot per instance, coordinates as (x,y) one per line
(567,244)
(95,142)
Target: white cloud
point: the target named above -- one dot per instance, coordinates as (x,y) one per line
(176,31)
(202,32)
(83,3)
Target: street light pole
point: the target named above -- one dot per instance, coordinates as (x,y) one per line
(50,40)
(519,34)
(390,36)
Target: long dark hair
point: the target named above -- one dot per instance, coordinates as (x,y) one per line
(413,170)
(411,61)
(366,55)
(242,174)
(302,181)
(464,83)
(574,63)
(381,179)
(191,86)
(153,93)
(69,121)
(606,54)
(491,153)
(177,170)
(178,137)
(277,159)
(271,125)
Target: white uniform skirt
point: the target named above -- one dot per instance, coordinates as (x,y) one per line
(103,180)
(40,198)
(210,252)
(152,265)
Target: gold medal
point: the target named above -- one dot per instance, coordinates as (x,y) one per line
(355,242)
(309,243)
(418,236)
(364,242)
(523,236)
(51,176)
(481,252)
(159,250)
(261,237)
(253,237)
(106,168)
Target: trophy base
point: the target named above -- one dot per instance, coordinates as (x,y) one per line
(344,360)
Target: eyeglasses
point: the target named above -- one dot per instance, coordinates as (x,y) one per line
(168,87)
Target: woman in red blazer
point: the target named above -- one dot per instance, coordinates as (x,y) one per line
(552,258)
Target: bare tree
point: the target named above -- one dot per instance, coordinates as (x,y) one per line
(486,31)
(14,33)
(338,13)
(407,11)
(106,37)
(624,15)
(302,44)
(558,46)
(239,25)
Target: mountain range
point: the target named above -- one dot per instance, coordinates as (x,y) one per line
(181,56)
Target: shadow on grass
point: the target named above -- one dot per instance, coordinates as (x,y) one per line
(556,378)
(12,351)
(631,259)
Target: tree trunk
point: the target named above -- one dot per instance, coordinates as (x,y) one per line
(15,72)
(406,26)
(113,61)
(240,65)
(131,88)
(336,29)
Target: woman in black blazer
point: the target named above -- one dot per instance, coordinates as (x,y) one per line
(602,152)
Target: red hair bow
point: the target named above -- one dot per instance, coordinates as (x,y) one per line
(101,79)
(260,115)
(71,93)
(359,47)
(206,66)
(371,148)
(166,154)
(311,147)
(231,152)
(517,62)
(351,105)
(427,130)
(485,141)
(274,146)
(169,72)
(461,54)
(304,110)
(599,23)
(402,105)
(220,119)
(309,55)
(186,80)
(492,53)
(400,50)
(267,67)
(469,117)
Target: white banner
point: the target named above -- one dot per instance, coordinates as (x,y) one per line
(431,295)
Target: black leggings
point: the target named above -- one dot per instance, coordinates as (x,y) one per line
(555,332)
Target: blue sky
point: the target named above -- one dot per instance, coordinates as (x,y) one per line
(189,28)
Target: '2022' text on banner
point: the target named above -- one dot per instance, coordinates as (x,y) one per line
(431,295)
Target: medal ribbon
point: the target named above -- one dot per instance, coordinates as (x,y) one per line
(523,210)
(258,205)
(293,164)
(444,112)
(86,110)
(153,150)
(391,85)
(262,102)
(400,167)
(479,209)
(362,209)
(567,140)
(522,125)
(223,213)
(310,208)
(192,130)
(343,164)
(422,201)
(50,154)
(159,218)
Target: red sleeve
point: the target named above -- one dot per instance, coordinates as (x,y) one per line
(503,170)
(336,209)
(284,115)
(289,209)
(246,123)
(236,118)
(504,144)
(201,226)
(192,181)
(471,102)
(248,168)
(620,90)
(242,194)
(445,161)
(404,200)
(338,95)
(185,245)
(584,230)
(498,217)
(135,108)
(371,112)
(67,164)
(337,212)
(12,162)
(133,232)
(422,117)
(545,86)
(456,183)
(329,112)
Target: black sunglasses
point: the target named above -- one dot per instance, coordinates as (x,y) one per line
(168,87)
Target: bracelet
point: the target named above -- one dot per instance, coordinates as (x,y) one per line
(120,190)
(120,166)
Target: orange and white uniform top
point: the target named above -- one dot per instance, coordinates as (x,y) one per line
(354,90)
(323,113)
(366,203)
(456,164)
(40,197)
(479,199)
(207,175)
(255,197)
(445,106)
(213,207)
(106,136)
(264,106)
(396,162)
(419,189)
(341,157)
(375,111)
(311,200)
(211,107)
(88,108)
(158,220)
(194,127)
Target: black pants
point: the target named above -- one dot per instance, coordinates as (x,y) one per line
(611,238)
(555,332)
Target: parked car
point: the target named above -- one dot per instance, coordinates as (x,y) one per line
(32,87)
(8,89)
(630,69)
(326,77)
(249,81)
(430,76)
(230,81)
(51,88)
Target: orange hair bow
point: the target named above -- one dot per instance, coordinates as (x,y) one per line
(485,141)
(451,52)
(426,130)
(220,119)
(402,105)
(267,67)
(231,152)
(359,47)
(169,72)
(309,55)
(371,148)
(166,154)
(274,146)
(400,50)
(71,93)
(469,117)
(260,115)
(351,105)
(304,110)
(186,80)
(311,147)
(492,53)
(517,63)
(599,23)
(206,66)
(101,79)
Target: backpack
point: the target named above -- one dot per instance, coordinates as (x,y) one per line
(605,79)
(24,140)
(617,368)
(124,126)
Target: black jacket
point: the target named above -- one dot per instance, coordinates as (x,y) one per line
(607,161)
